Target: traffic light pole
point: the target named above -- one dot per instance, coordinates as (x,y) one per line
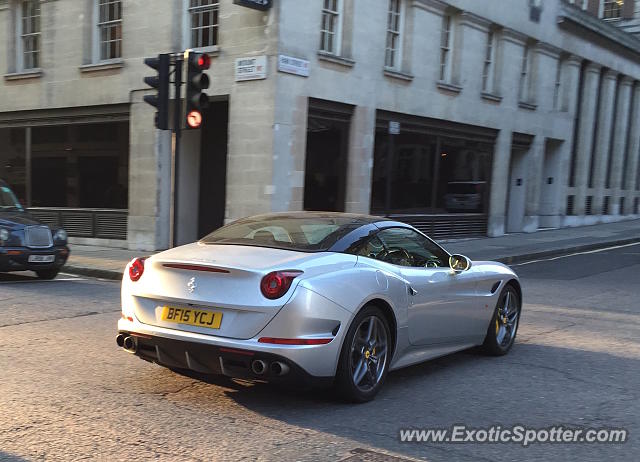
(177,131)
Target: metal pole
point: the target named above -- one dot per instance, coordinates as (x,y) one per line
(177,128)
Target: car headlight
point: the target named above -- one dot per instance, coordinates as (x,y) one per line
(60,235)
(4,234)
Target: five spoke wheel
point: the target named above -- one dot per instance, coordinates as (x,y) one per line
(368,353)
(504,324)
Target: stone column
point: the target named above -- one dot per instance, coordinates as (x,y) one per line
(535,165)
(633,150)
(603,139)
(619,143)
(584,142)
(360,161)
(499,184)
(571,84)
(569,103)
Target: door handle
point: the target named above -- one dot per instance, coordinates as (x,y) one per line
(412,291)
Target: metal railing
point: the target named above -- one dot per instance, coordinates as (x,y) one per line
(447,226)
(88,223)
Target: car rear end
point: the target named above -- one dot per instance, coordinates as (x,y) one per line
(233,310)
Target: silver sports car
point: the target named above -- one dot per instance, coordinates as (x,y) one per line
(318,297)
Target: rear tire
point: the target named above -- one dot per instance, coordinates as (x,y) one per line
(502,330)
(365,356)
(47,274)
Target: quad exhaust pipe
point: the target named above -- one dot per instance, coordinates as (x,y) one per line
(126,342)
(258,367)
(277,368)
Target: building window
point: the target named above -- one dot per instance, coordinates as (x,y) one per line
(110,29)
(203,15)
(558,86)
(489,63)
(525,75)
(394,19)
(612,9)
(445,49)
(331,29)
(580,3)
(29,28)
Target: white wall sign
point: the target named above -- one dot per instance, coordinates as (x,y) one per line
(394,127)
(254,68)
(294,66)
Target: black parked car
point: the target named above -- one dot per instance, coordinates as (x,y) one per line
(25,242)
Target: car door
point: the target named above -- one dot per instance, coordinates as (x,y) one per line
(443,305)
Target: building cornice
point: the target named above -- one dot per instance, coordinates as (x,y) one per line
(626,80)
(593,67)
(513,36)
(569,15)
(433,6)
(574,60)
(469,19)
(548,50)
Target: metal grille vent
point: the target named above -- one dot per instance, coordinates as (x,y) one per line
(38,237)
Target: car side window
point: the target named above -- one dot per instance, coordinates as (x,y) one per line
(371,248)
(406,247)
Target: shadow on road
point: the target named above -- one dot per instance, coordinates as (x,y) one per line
(535,385)
(5,457)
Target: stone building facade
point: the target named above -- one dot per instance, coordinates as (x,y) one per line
(462,117)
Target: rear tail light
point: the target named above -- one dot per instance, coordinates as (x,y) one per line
(274,285)
(136,268)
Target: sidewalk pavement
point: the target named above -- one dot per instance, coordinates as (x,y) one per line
(107,263)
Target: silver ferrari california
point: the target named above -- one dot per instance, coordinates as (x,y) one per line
(322,298)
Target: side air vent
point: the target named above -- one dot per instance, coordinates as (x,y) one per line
(495,287)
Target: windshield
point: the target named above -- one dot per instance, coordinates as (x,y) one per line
(313,233)
(8,200)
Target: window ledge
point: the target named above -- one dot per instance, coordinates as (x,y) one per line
(103,65)
(449,87)
(211,51)
(23,75)
(527,106)
(404,76)
(491,97)
(335,59)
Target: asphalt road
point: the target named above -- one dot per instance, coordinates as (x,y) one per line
(68,393)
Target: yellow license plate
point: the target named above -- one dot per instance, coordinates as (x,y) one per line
(192,317)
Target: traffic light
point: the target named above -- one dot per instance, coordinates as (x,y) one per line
(197,81)
(161,83)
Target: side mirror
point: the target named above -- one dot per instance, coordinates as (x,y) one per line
(459,263)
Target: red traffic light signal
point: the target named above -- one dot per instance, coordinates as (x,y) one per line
(203,61)
(194,119)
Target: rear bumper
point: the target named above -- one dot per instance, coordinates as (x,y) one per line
(307,314)
(17,258)
(212,359)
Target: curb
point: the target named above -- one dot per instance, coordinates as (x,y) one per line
(92,272)
(114,275)
(527,257)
